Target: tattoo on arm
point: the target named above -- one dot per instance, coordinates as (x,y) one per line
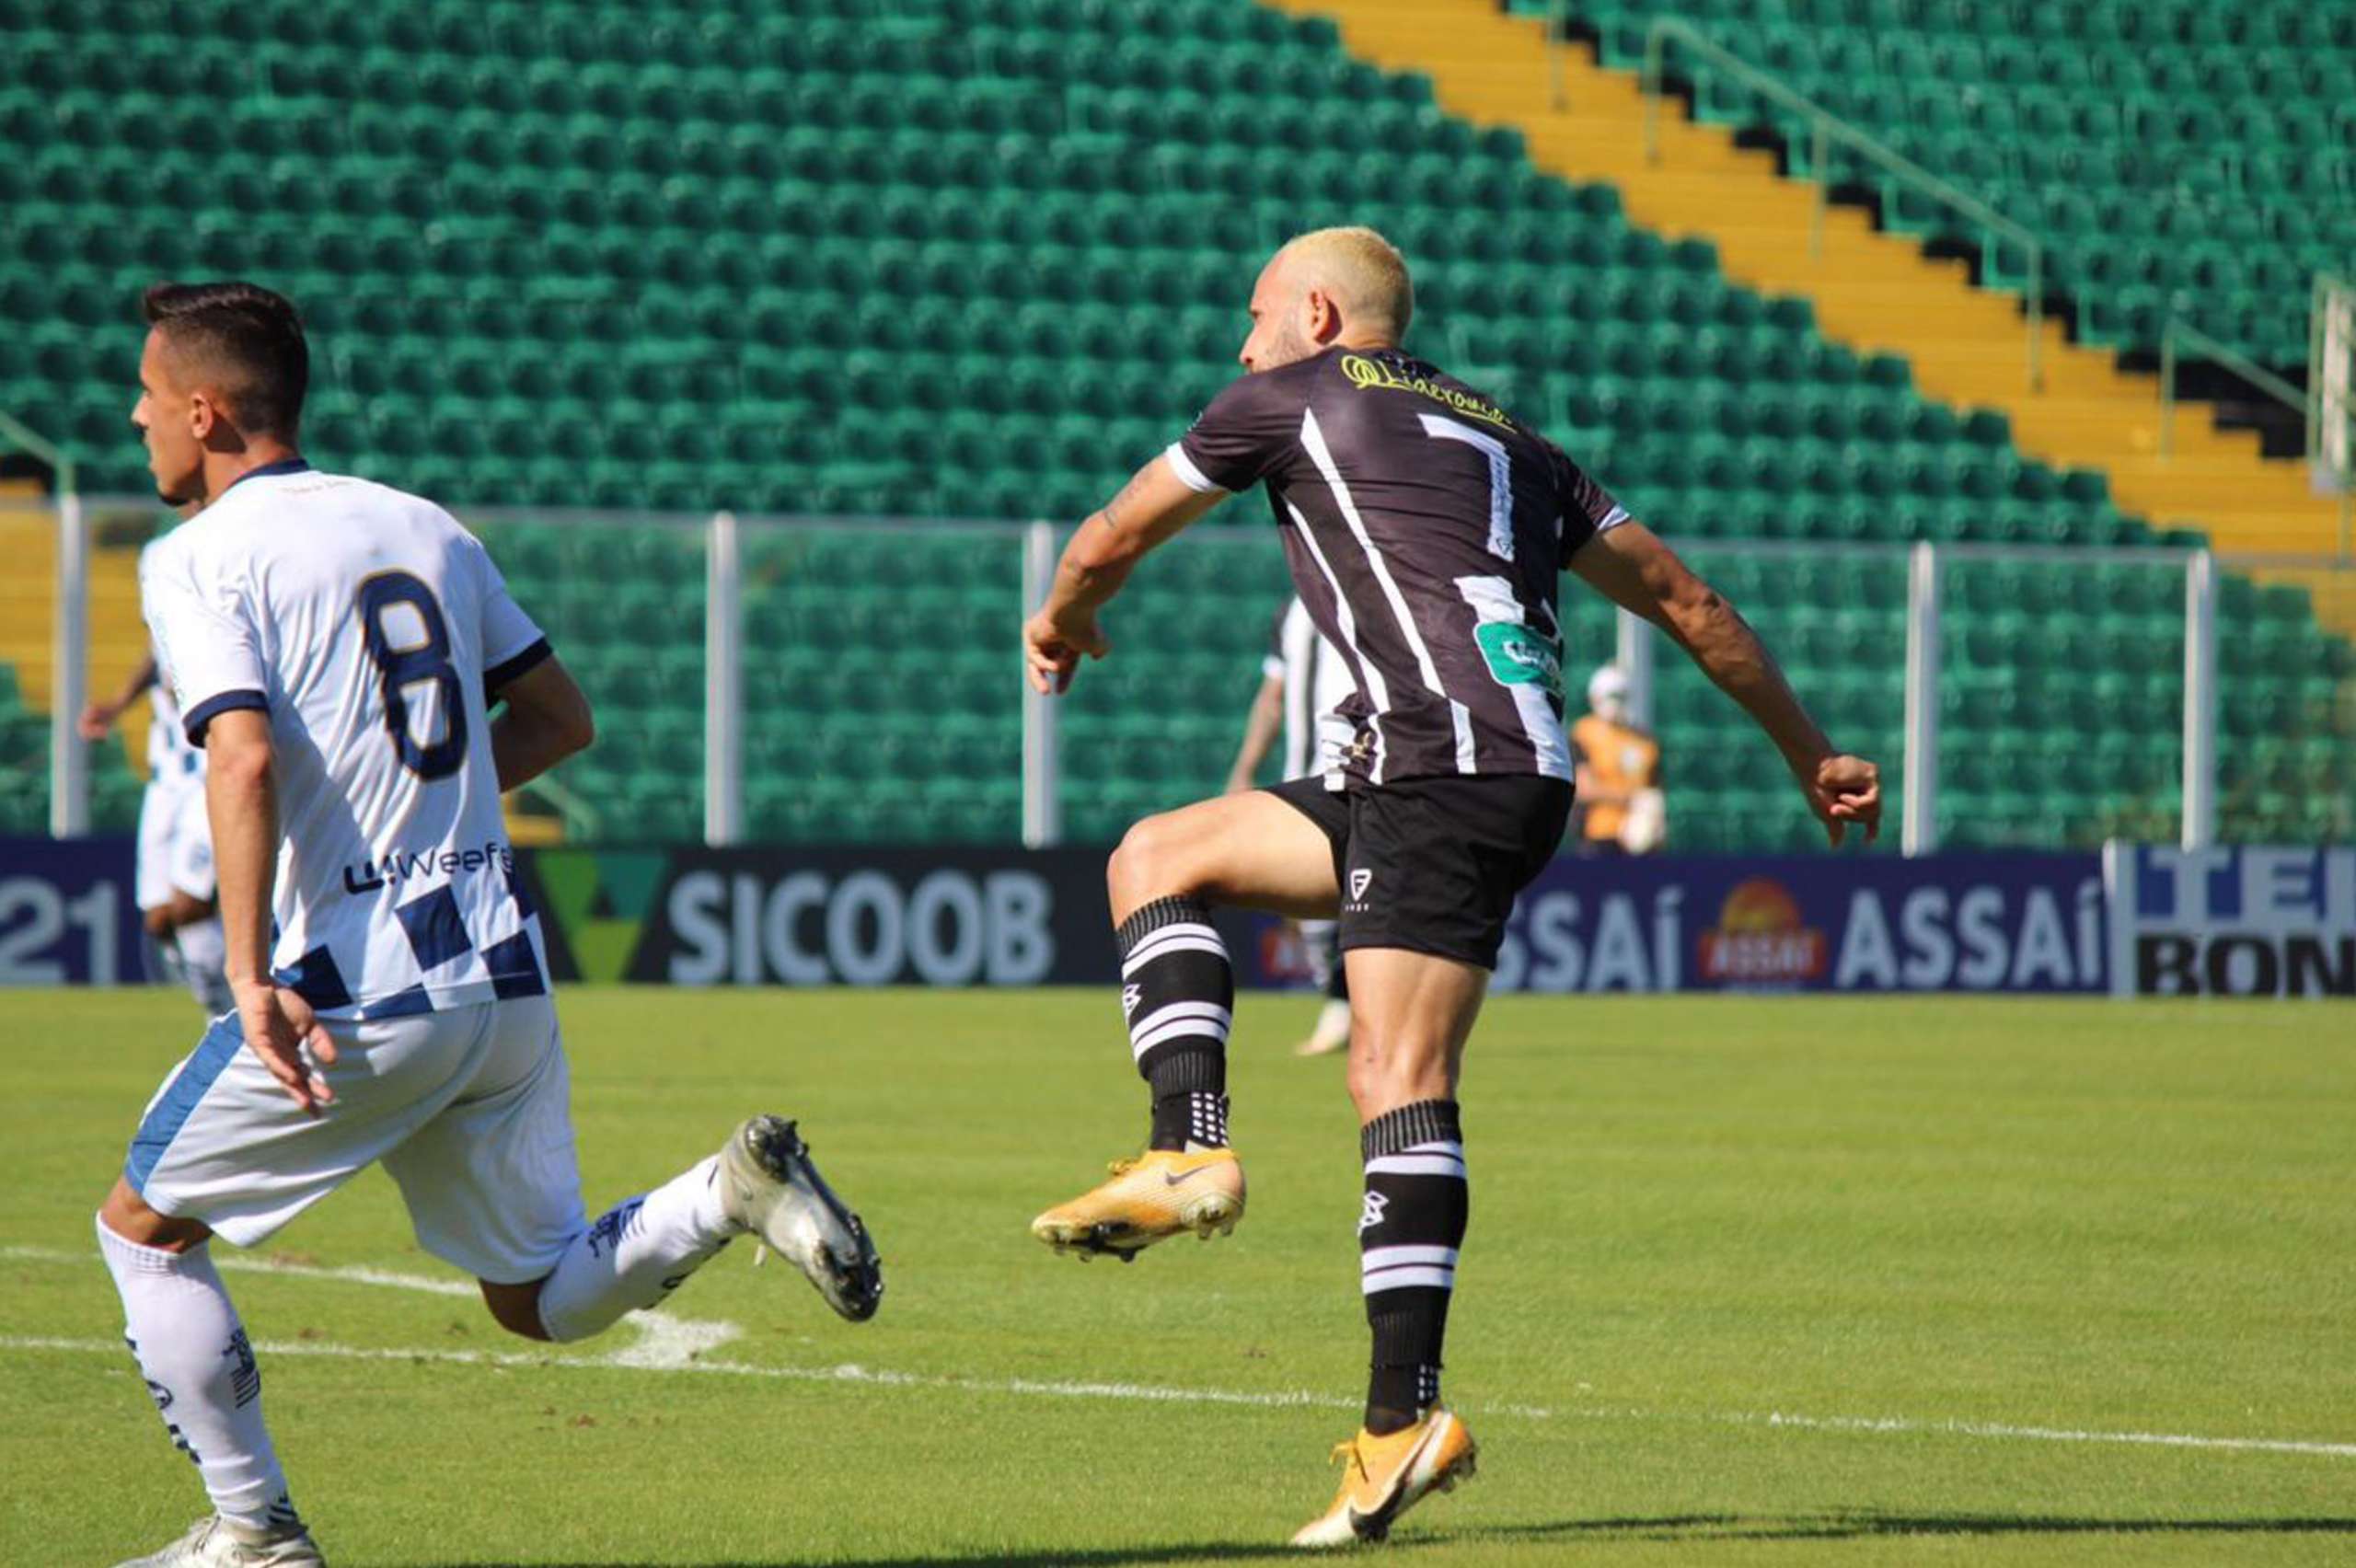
(1113,508)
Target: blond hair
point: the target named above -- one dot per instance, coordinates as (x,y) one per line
(1363,274)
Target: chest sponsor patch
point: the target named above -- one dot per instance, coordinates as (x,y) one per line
(1518,656)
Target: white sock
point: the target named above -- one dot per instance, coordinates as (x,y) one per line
(638,1252)
(192,1350)
(204,954)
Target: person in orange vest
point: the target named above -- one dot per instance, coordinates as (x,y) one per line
(1619,773)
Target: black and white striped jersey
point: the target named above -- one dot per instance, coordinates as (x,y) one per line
(1426,530)
(1317,681)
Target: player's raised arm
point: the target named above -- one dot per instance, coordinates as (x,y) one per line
(98,718)
(1631,566)
(1151,508)
(1261,725)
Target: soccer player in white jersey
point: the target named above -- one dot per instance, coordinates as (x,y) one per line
(1303,680)
(364,688)
(173,874)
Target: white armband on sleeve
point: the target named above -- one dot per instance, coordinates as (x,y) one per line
(1194,478)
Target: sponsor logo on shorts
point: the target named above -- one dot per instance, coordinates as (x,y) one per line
(1359,881)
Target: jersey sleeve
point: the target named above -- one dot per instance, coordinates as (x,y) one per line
(1588,507)
(511,642)
(207,636)
(1240,436)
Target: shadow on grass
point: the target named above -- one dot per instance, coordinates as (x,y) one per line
(1845,1524)
(1835,1526)
(1091,1557)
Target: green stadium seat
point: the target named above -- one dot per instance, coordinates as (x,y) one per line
(568,258)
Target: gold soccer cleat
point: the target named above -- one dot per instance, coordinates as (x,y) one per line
(1149,1199)
(1384,1477)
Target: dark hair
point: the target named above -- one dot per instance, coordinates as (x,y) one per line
(246,338)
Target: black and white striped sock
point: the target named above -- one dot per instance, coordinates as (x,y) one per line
(1178,994)
(1409,1232)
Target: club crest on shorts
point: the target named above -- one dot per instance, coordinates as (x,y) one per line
(1359,881)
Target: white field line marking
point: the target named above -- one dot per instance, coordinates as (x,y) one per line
(847,1373)
(670,1344)
(674,1344)
(665,1342)
(2045,1434)
(234,1263)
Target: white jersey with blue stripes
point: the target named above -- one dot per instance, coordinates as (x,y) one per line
(375,631)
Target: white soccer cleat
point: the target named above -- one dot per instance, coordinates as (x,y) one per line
(215,1542)
(1331,1033)
(770,1188)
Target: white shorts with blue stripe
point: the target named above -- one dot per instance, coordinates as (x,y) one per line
(468,1109)
(175,843)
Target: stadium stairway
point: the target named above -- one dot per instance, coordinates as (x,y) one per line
(1872,291)
(29,587)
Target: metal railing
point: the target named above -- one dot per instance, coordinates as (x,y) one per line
(1942,649)
(2331,387)
(1826,129)
(69,777)
(2306,403)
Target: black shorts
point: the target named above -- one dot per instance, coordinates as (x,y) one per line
(1433,864)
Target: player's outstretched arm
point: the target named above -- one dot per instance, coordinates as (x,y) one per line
(96,718)
(1261,728)
(546,719)
(241,806)
(1631,566)
(1151,508)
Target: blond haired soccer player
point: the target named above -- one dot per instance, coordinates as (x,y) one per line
(1426,528)
(364,687)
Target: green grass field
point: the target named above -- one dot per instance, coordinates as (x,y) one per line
(1747,1282)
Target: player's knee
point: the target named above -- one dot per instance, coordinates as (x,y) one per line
(1382,1079)
(1148,864)
(516,1308)
(126,1214)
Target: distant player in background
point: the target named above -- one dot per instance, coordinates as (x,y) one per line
(1302,681)
(173,879)
(1622,808)
(340,650)
(1427,530)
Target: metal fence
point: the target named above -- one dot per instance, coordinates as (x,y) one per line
(824,680)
